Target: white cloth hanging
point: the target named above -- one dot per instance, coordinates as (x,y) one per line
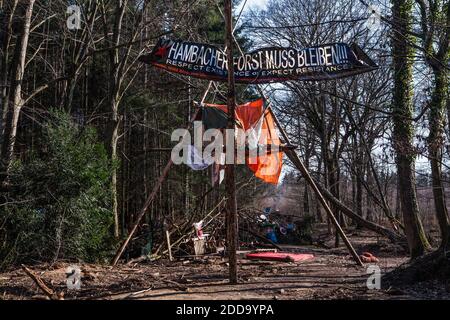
(195,159)
(254,134)
(218,171)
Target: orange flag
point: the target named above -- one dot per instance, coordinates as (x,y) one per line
(268,166)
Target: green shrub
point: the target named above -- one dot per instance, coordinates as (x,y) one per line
(60,206)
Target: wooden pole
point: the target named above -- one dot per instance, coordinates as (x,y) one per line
(169,246)
(230,184)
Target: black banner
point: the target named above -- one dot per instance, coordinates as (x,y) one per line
(274,64)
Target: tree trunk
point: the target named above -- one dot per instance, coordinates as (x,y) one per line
(230,171)
(114,96)
(369,202)
(306,205)
(4,68)
(317,202)
(115,160)
(403,127)
(13,113)
(359,186)
(435,143)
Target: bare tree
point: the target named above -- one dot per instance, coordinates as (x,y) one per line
(15,90)
(435,22)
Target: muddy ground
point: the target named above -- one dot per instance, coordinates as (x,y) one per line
(331,275)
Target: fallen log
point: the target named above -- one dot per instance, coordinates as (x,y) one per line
(51,294)
(391,235)
(327,195)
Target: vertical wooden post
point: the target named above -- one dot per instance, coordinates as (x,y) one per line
(169,246)
(231,211)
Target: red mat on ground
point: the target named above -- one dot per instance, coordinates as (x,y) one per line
(280,256)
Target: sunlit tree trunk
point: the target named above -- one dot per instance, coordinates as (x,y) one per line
(17,101)
(435,144)
(403,127)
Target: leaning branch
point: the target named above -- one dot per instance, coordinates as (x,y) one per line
(51,294)
(394,237)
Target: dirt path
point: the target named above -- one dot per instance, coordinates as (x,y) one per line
(331,275)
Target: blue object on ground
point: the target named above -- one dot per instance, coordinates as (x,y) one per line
(272,236)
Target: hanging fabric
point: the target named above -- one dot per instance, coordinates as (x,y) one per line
(260,127)
(217,118)
(214,118)
(266,166)
(247,115)
(218,171)
(195,159)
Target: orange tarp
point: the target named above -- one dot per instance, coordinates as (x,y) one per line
(267,167)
